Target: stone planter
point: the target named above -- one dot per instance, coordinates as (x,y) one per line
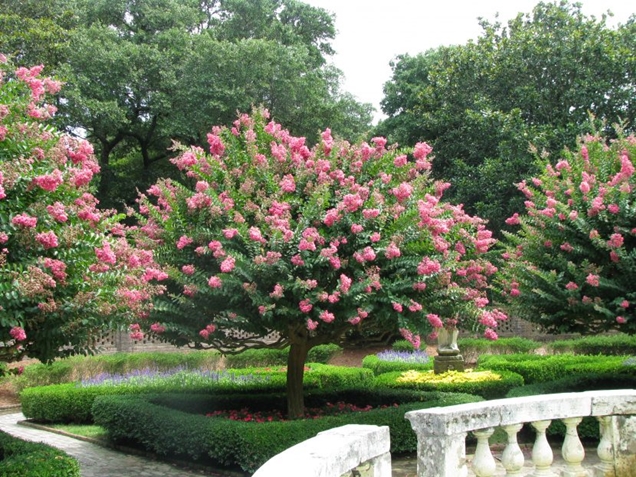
(448,357)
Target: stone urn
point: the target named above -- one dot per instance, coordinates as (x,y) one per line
(448,357)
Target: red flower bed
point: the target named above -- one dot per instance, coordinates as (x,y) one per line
(311,413)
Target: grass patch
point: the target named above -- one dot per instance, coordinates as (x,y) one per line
(89,430)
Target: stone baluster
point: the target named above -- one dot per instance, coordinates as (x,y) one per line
(484,464)
(573,452)
(512,458)
(542,455)
(604,449)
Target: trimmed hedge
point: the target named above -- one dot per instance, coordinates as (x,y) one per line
(379,366)
(540,369)
(609,345)
(70,403)
(493,389)
(76,368)
(473,348)
(278,357)
(20,458)
(147,422)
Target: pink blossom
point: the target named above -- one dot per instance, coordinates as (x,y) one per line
(566,247)
(370,213)
(571,286)
(421,150)
(327,316)
(278,291)
(24,220)
(428,267)
(157,328)
(188,269)
(592,280)
(345,283)
(57,211)
(356,228)
(397,307)
(620,320)
(255,235)
(624,304)
(228,264)
(392,251)
(400,161)
(305,306)
(331,217)
(402,192)
(49,182)
(375,237)
(230,233)
(368,254)
(614,257)
(352,202)
(311,324)
(184,241)
(415,306)
(287,183)
(334,262)
(490,334)
(419,286)
(214,282)
(47,239)
(105,254)
(297,260)
(613,208)
(190,290)
(514,292)
(584,187)
(17,333)
(154,274)
(615,241)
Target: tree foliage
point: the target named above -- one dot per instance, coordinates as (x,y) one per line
(533,82)
(273,237)
(570,266)
(59,283)
(141,73)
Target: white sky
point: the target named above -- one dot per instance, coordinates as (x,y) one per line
(373,32)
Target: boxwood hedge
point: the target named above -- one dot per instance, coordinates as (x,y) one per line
(540,369)
(379,366)
(20,458)
(147,421)
(71,403)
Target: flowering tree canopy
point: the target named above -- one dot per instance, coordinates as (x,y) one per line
(59,279)
(272,236)
(571,267)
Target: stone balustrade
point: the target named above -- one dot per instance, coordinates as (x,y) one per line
(359,450)
(363,451)
(441,435)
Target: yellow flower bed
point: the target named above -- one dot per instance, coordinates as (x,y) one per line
(448,377)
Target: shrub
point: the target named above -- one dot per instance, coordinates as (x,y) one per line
(472,348)
(71,402)
(146,421)
(616,345)
(81,367)
(539,369)
(488,386)
(278,357)
(402,345)
(20,458)
(378,365)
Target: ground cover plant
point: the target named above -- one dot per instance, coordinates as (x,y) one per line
(485,383)
(391,360)
(30,459)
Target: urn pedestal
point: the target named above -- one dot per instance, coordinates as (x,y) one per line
(448,357)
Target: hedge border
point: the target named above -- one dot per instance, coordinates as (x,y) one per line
(146,421)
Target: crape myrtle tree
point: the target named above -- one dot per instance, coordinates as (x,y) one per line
(268,235)
(64,273)
(571,266)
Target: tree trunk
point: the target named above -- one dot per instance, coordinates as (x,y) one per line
(295,371)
